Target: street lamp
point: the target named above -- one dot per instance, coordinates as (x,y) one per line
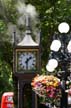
(56,44)
(61,49)
(52,63)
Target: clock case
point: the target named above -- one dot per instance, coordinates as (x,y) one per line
(32,49)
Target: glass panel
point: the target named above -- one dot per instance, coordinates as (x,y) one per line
(27,96)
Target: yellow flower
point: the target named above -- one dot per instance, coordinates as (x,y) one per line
(55,84)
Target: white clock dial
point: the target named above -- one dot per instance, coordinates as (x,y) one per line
(27,61)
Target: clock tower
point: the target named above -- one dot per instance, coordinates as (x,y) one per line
(26,65)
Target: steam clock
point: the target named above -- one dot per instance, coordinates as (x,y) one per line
(26,66)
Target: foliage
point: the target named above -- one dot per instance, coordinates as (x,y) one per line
(6,52)
(5,77)
(8,11)
(6,83)
(2,27)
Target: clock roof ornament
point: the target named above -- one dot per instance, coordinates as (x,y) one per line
(27,40)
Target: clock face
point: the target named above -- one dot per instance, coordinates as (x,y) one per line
(27,61)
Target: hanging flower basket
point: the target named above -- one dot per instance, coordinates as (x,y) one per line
(47,87)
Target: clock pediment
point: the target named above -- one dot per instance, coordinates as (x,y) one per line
(28,41)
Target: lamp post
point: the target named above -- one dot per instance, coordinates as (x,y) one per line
(60,54)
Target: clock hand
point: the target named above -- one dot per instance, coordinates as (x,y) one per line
(26,63)
(27,60)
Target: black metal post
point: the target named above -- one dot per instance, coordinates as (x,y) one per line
(64,61)
(14,37)
(64,100)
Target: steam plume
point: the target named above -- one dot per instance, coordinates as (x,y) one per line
(30,10)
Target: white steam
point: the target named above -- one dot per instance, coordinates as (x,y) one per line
(30,10)
(10,31)
(21,7)
(21,20)
(23,11)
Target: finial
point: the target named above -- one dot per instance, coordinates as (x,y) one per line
(14,37)
(28,22)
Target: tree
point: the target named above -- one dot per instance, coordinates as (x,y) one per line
(5,77)
(7,15)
